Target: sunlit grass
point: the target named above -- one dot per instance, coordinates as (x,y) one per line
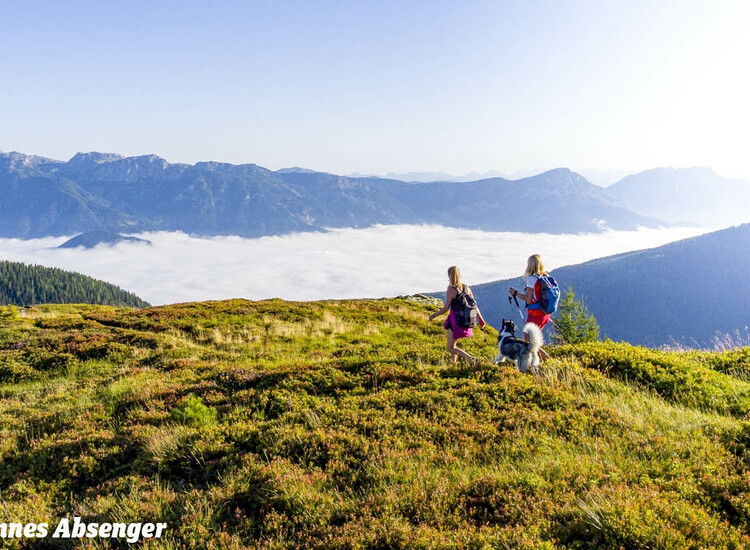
(342,424)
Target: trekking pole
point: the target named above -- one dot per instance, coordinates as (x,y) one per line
(518,307)
(576,349)
(561,333)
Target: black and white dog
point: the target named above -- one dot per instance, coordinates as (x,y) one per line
(525,354)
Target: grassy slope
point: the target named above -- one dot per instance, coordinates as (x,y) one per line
(341,425)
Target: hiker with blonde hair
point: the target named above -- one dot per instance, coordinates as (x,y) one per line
(534,270)
(462,316)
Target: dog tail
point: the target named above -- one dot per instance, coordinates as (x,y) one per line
(536,340)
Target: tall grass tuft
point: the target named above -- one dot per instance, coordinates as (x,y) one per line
(193,412)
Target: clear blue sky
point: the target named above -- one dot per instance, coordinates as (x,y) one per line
(382,86)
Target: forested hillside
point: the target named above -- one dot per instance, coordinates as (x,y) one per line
(342,425)
(685,293)
(22,284)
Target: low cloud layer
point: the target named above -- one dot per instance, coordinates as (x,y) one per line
(342,263)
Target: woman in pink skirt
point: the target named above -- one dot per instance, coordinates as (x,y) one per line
(452,330)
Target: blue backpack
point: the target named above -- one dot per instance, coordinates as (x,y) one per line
(549,294)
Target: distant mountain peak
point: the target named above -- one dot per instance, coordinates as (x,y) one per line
(558,176)
(296,170)
(214,165)
(433,177)
(94,157)
(696,196)
(566,173)
(17,160)
(13,155)
(150,158)
(147,162)
(697,170)
(91,239)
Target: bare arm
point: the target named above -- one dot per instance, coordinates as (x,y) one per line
(527,297)
(449,295)
(482,322)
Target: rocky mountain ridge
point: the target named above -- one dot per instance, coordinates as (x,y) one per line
(108,192)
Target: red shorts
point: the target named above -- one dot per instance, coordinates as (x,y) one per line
(537,317)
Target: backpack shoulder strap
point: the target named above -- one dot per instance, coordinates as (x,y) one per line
(537,294)
(456,296)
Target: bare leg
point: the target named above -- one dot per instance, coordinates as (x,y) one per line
(451,346)
(454,351)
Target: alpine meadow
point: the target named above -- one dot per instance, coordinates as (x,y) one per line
(341,424)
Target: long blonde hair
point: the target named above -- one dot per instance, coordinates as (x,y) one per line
(534,266)
(454,276)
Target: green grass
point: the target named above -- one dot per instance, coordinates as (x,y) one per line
(342,424)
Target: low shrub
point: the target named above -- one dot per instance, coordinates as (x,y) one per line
(677,376)
(193,412)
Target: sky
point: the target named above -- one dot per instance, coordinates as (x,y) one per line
(341,263)
(602,87)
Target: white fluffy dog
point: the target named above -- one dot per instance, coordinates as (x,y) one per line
(525,354)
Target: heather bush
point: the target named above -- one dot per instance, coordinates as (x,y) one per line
(9,313)
(679,377)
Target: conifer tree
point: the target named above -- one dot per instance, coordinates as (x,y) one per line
(574,323)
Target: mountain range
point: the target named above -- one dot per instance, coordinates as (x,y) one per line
(683,293)
(108,192)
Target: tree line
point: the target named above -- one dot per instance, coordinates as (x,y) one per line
(22,285)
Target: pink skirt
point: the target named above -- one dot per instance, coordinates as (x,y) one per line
(458,332)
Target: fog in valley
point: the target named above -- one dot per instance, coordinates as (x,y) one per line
(341,263)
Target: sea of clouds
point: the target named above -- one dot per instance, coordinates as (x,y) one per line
(341,263)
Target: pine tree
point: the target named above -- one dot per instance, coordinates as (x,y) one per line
(574,323)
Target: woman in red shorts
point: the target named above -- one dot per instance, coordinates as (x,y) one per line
(534,270)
